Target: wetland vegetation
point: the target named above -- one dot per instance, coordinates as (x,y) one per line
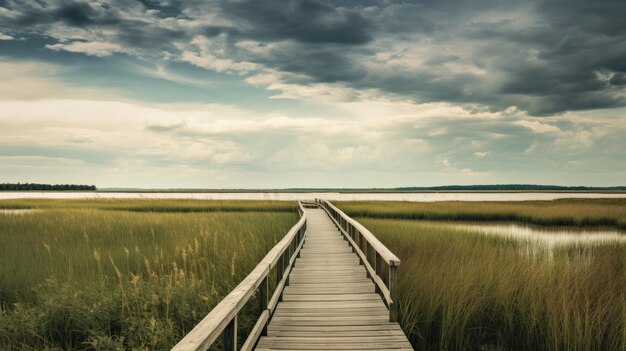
(463,289)
(117,275)
(104,274)
(561,212)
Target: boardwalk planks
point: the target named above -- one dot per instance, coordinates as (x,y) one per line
(330,303)
(330,292)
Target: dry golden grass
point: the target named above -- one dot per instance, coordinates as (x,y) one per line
(565,212)
(92,279)
(471,291)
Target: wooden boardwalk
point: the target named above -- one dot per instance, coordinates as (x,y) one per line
(335,289)
(329,302)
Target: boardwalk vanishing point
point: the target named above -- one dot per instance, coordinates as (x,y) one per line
(330,292)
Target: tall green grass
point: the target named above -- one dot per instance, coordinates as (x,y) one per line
(472,291)
(153,205)
(90,279)
(563,212)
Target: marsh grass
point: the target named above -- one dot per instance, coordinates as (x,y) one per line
(471,291)
(86,278)
(563,212)
(153,205)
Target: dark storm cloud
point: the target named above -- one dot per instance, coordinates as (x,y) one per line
(544,56)
(301,20)
(79,14)
(322,64)
(165,8)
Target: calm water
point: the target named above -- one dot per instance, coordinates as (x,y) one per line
(16,212)
(417,197)
(545,240)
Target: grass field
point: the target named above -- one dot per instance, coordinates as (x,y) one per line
(564,212)
(138,274)
(125,274)
(152,205)
(473,291)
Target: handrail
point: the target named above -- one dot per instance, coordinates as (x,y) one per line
(372,254)
(223,318)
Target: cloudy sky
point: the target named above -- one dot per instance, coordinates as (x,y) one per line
(315,93)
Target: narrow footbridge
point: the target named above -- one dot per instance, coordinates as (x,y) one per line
(329,284)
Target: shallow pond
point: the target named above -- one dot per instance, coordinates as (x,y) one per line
(541,239)
(16,211)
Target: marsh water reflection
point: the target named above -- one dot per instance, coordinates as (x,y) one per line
(16,211)
(543,239)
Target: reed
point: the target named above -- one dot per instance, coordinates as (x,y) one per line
(91,276)
(153,205)
(472,291)
(563,212)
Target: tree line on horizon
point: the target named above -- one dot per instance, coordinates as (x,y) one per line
(485,187)
(35,186)
(525,187)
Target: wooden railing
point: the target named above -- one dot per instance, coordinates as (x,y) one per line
(372,254)
(222,320)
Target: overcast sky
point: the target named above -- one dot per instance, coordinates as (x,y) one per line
(280,93)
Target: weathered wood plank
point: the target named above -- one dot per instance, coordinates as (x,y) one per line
(330,303)
(332,297)
(335,339)
(384,252)
(321,328)
(336,332)
(371,349)
(326,346)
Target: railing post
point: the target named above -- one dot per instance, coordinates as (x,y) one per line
(263,300)
(290,250)
(393,293)
(378,268)
(367,256)
(351,233)
(286,259)
(279,273)
(300,237)
(230,335)
(364,244)
(358,244)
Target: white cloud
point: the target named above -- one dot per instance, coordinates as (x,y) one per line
(28,80)
(213,54)
(217,64)
(92,48)
(112,141)
(5,36)
(537,126)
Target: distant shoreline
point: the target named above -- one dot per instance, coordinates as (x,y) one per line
(275,195)
(359,191)
(340,191)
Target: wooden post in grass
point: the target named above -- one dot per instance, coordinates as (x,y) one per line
(263,300)
(280,270)
(378,268)
(230,335)
(366,251)
(393,293)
